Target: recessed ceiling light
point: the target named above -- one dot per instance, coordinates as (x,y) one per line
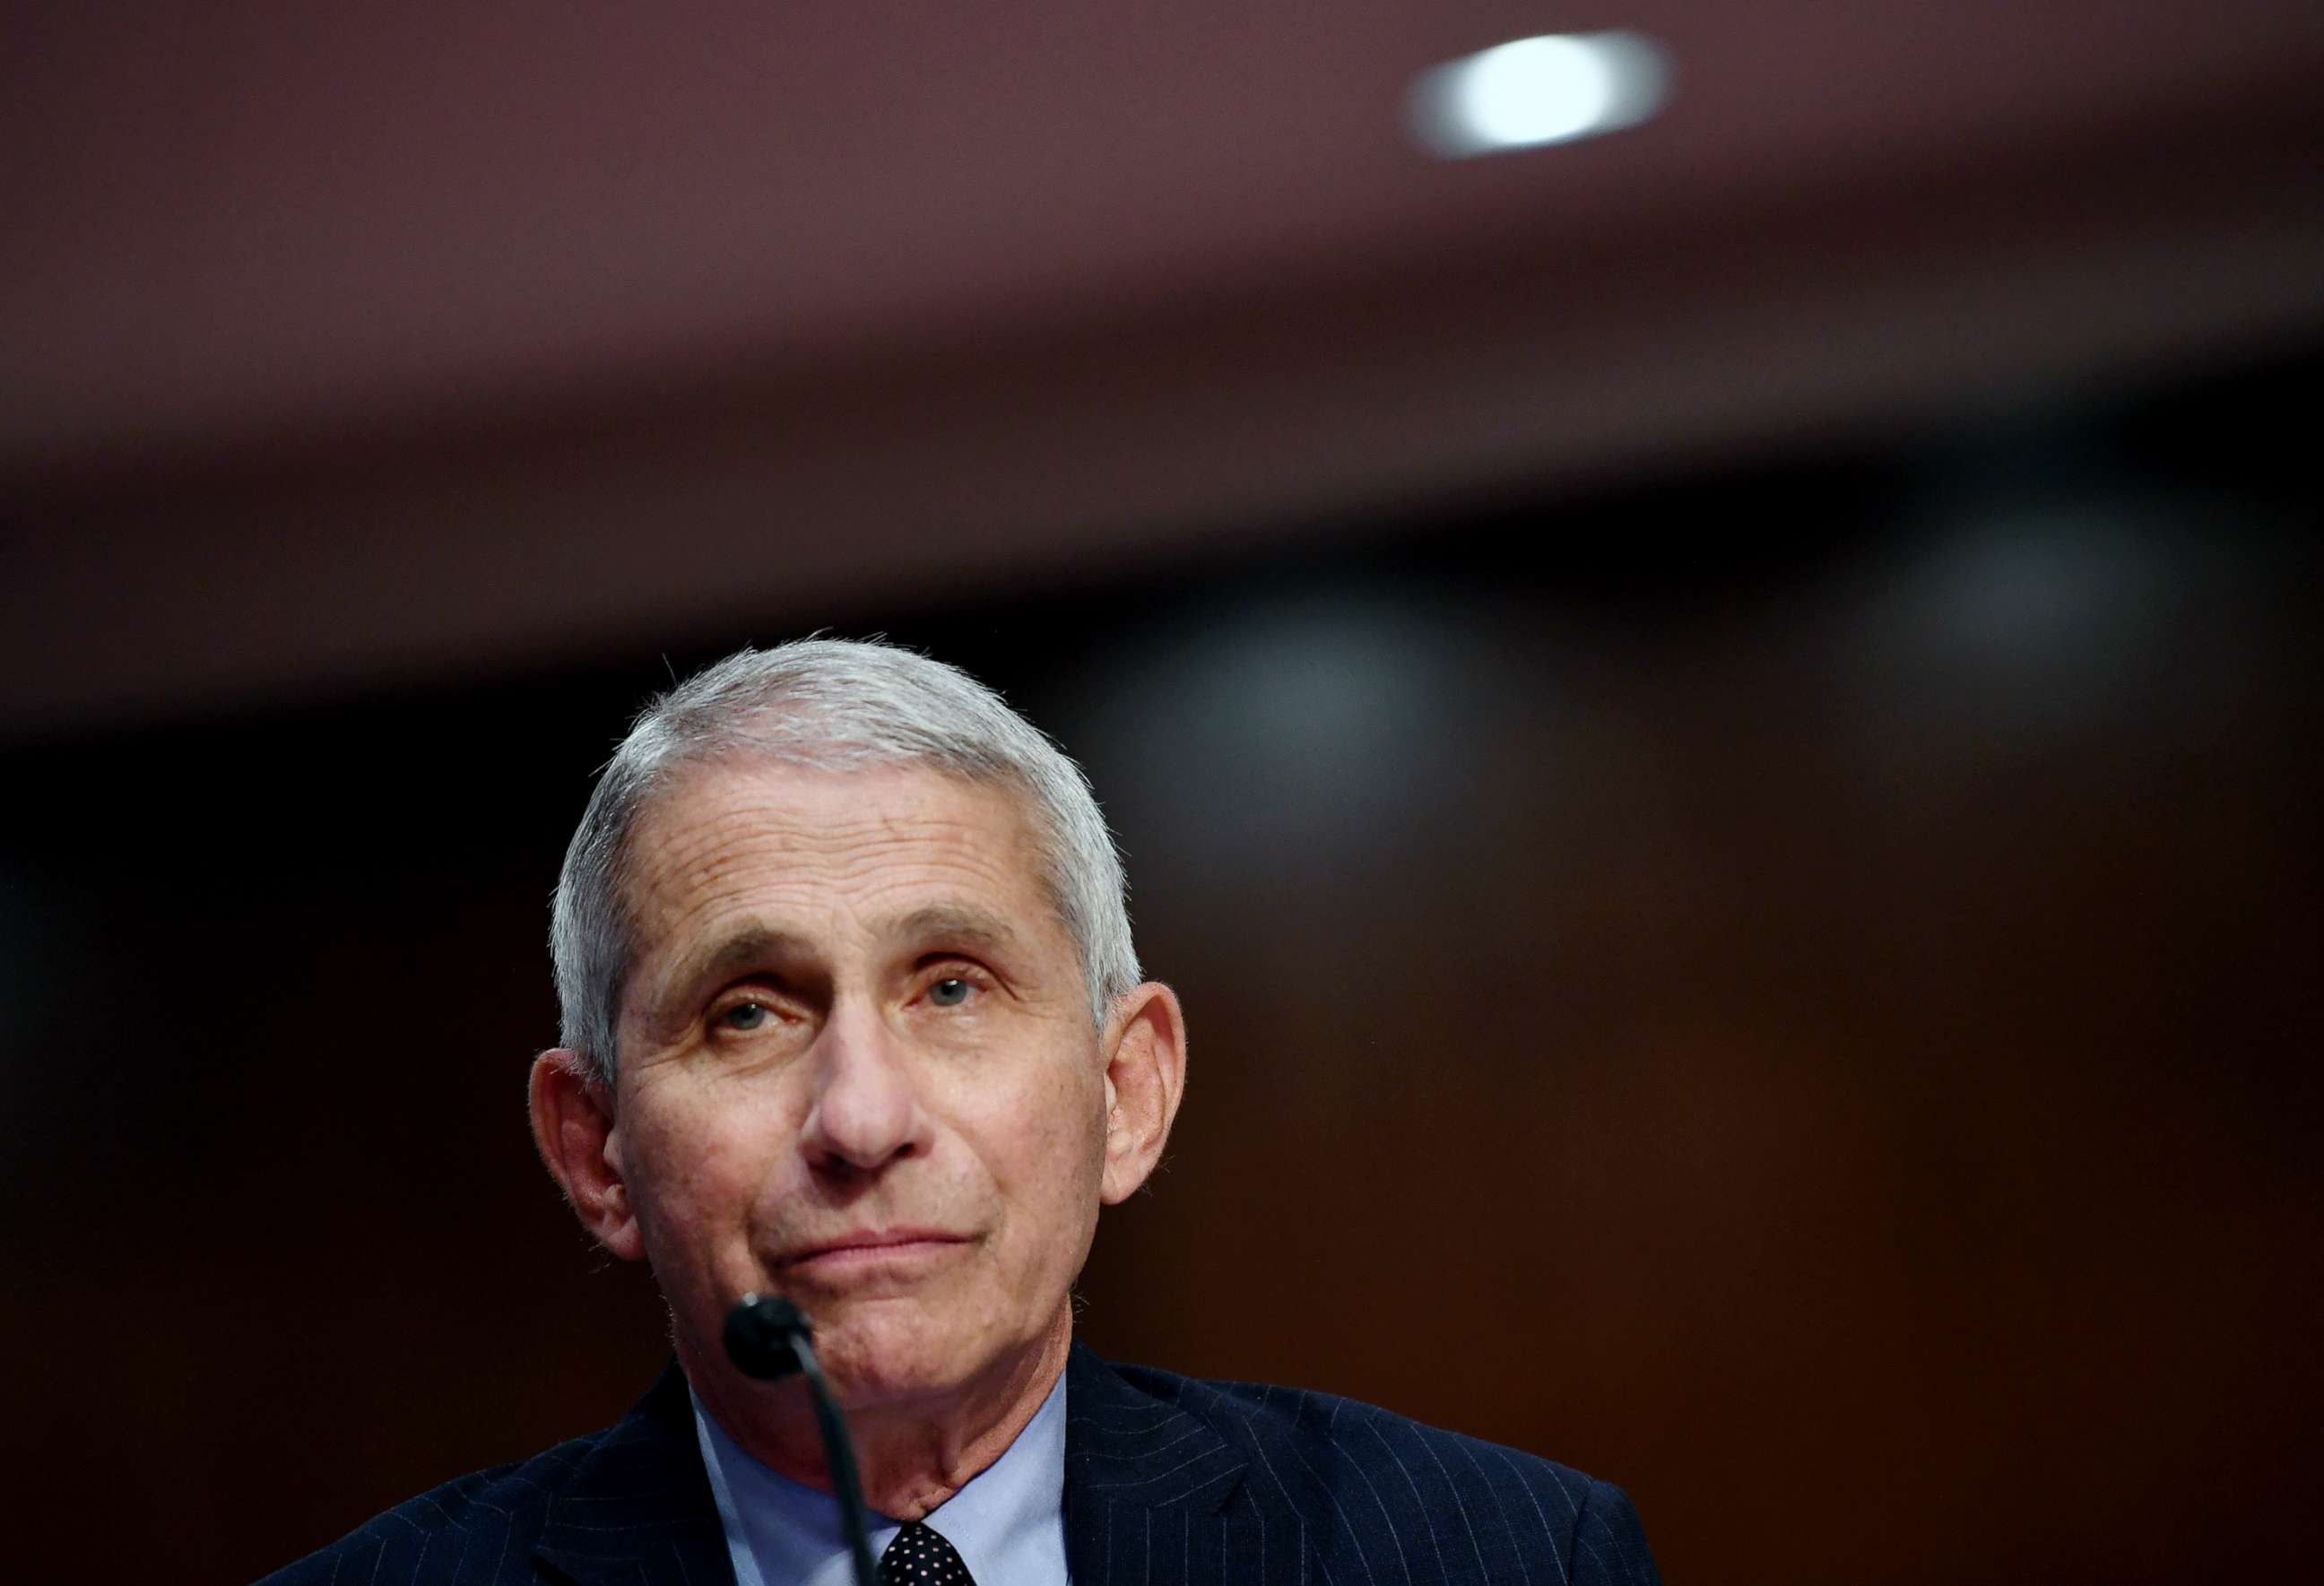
(1550,89)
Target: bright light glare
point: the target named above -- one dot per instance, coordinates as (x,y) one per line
(1550,89)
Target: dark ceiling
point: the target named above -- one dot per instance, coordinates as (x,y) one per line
(347,346)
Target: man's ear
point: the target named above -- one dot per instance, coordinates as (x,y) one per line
(1145,1076)
(573,1125)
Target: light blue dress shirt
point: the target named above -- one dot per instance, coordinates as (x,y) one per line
(1008,1522)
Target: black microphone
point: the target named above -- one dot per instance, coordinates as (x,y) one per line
(760,1334)
(768,1338)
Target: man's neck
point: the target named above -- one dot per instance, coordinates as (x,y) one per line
(912,1457)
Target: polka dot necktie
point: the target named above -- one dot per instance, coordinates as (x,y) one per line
(920,1557)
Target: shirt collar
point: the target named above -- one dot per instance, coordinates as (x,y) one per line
(1007,1522)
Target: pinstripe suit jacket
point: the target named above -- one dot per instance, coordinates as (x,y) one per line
(1169,1481)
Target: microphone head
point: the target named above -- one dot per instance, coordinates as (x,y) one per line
(761,1335)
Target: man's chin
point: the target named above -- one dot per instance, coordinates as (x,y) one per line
(894,1355)
(871,1366)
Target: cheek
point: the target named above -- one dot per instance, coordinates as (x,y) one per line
(696,1171)
(1057,1147)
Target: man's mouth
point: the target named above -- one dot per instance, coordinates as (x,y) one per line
(872,1248)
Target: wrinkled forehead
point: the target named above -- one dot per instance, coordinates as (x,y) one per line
(742,829)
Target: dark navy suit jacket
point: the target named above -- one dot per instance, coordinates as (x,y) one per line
(1168,1480)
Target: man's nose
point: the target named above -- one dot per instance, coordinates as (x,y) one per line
(867,1110)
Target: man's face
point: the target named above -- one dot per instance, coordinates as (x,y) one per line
(858,1069)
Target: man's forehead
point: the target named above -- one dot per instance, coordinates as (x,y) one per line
(965,850)
(745,778)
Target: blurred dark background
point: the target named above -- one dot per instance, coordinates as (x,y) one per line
(1720,726)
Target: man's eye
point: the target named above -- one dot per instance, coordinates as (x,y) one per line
(744,1016)
(949,992)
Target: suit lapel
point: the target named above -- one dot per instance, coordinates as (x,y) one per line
(637,1508)
(1155,1497)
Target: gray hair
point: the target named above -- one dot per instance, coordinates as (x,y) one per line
(839,705)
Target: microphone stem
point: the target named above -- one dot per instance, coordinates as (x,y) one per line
(839,1452)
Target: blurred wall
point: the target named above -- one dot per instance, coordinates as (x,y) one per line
(1793,991)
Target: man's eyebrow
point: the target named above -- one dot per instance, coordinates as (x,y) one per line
(957,923)
(752,944)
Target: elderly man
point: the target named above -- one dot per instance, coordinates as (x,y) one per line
(852,1015)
